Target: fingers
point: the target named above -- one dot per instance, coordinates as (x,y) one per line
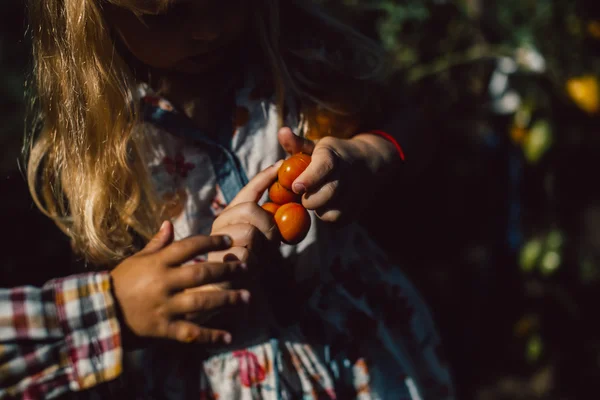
(184,250)
(329,215)
(205,273)
(162,238)
(239,253)
(246,236)
(213,336)
(207,301)
(292,143)
(322,196)
(187,332)
(248,213)
(254,190)
(324,161)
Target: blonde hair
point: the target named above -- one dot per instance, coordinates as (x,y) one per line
(85,167)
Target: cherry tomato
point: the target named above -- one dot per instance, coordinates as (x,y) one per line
(292,168)
(280,195)
(293,222)
(271,207)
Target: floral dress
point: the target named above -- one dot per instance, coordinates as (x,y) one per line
(335,318)
(331,317)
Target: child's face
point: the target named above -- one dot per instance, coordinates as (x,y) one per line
(191,36)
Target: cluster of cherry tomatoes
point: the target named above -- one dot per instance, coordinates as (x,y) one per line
(292,219)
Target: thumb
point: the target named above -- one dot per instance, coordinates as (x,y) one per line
(292,143)
(162,238)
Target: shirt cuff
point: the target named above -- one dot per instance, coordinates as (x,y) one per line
(389,137)
(87,316)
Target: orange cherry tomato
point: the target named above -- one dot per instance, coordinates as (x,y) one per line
(293,222)
(292,168)
(271,207)
(280,195)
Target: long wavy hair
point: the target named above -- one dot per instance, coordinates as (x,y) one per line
(85,165)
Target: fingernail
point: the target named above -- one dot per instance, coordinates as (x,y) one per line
(163,226)
(227,338)
(299,188)
(245,296)
(228,241)
(230,258)
(244,266)
(278,164)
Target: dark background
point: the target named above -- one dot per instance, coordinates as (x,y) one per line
(501,231)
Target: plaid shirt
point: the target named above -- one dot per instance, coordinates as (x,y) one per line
(62,337)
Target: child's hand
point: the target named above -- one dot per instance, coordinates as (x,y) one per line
(149,287)
(342,172)
(252,229)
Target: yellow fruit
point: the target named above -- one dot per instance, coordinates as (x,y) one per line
(584,92)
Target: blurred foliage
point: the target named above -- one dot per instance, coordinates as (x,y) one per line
(503,234)
(501,231)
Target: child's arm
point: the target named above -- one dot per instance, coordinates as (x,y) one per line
(345,174)
(410,137)
(68,335)
(62,337)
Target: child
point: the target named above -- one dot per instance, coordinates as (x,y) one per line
(151,110)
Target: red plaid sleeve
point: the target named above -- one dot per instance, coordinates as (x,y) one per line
(62,337)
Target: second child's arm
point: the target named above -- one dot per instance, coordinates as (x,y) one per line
(69,334)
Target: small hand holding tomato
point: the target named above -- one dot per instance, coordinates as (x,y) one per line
(251,228)
(292,219)
(341,173)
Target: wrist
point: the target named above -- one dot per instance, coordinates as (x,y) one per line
(129,340)
(383,154)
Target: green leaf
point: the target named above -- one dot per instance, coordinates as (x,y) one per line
(535,348)
(550,262)
(537,141)
(530,253)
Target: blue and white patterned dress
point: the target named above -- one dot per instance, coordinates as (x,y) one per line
(336,320)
